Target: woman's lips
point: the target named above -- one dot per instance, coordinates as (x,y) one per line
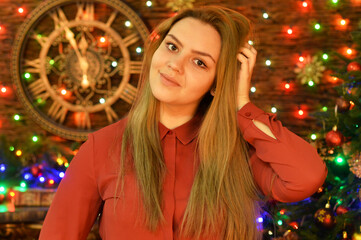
(168,81)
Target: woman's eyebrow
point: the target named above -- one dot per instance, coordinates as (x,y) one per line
(194,51)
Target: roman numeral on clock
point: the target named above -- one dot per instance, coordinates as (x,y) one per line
(33,65)
(38,89)
(85,11)
(132,38)
(111,115)
(129,93)
(59,18)
(57,111)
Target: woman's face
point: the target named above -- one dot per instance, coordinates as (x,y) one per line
(183,68)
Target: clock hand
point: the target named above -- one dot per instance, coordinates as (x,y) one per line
(69,35)
(84,67)
(83,45)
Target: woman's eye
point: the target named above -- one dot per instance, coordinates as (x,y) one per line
(172,47)
(200,63)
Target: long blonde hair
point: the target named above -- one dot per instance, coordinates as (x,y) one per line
(224,197)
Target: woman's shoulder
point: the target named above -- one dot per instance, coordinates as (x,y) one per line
(108,134)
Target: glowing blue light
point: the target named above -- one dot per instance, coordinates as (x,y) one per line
(27,176)
(2,168)
(61,174)
(138,50)
(260,220)
(42,179)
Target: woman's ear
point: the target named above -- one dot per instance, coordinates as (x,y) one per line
(212,91)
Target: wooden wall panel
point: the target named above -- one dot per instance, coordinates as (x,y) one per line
(270,42)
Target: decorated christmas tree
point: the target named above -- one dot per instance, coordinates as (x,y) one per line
(334,212)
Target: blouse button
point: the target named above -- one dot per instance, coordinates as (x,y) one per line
(170,132)
(248,114)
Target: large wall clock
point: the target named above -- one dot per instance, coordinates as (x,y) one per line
(76,64)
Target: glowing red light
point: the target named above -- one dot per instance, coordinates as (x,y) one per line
(287,86)
(305,4)
(51,181)
(63,92)
(103,42)
(289,31)
(300,112)
(12,194)
(3,89)
(349,51)
(301,59)
(282,211)
(20,10)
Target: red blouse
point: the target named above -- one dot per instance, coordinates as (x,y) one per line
(291,164)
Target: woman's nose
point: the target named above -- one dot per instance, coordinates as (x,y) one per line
(176,63)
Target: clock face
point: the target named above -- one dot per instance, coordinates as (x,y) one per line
(76,64)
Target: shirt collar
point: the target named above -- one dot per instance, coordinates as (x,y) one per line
(185,132)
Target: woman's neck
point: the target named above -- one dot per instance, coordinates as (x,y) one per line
(174,116)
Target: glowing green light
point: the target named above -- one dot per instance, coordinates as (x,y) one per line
(35,138)
(23,184)
(325,56)
(339,160)
(11,148)
(138,50)
(339,201)
(27,75)
(324,109)
(334,1)
(4,208)
(357,125)
(51,61)
(313,136)
(311,83)
(66,165)
(2,189)
(279,222)
(317,26)
(16,117)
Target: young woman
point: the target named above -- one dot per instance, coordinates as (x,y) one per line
(194,156)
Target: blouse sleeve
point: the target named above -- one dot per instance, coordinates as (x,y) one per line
(286,168)
(76,203)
